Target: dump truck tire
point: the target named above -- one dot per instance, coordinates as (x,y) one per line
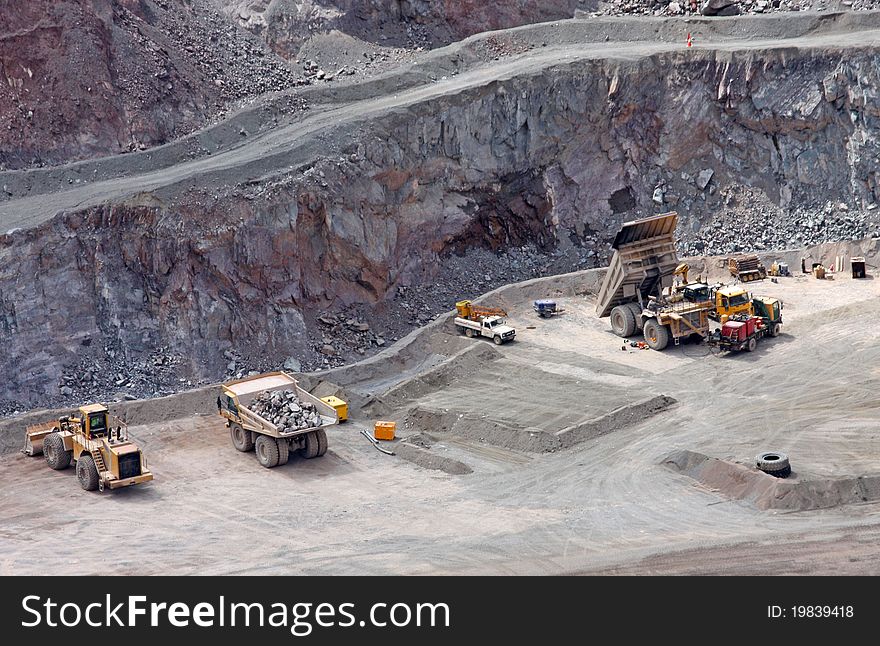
(775,329)
(636,309)
(321,436)
(656,335)
(752,344)
(56,457)
(267,451)
(774,463)
(87,472)
(623,323)
(312,448)
(283,452)
(242,440)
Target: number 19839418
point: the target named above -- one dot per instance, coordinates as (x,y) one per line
(810,612)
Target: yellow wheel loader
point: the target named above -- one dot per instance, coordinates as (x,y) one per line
(104,455)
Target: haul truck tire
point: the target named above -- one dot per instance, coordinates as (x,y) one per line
(242,440)
(636,309)
(87,472)
(321,436)
(267,451)
(316,444)
(623,323)
(656,335)
(283,451)
(56,457)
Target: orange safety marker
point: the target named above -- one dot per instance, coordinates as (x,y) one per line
(689,43)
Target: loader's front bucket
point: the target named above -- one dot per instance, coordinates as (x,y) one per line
(34,436)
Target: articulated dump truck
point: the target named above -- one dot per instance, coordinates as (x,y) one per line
(272,416)
(632,295)
(104,455)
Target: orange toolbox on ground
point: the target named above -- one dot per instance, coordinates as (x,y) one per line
(384,430)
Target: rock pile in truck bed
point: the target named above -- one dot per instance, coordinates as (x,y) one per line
(284,409)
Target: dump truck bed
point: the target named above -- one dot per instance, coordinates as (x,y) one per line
(643,262)
(244,391)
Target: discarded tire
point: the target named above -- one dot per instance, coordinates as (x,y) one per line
(623,323)
(56,457)
(656,335)
(267,451)
(774,463)
(242,440)
(87,472)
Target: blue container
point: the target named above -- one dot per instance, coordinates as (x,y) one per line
(545,307)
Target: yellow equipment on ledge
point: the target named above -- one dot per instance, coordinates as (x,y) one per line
(468,310)
(339,405)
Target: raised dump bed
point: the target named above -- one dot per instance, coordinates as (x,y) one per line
(643,263)
(289,418)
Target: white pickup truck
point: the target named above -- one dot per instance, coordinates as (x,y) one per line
(493,327)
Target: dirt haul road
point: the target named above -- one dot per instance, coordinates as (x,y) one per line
(610,503)
(337,114)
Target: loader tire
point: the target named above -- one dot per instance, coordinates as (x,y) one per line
(623,322)
(774,463)
(636,309)
(656,335)
(267,451)
(315,441)
(87,472)
(321,436)
(752,344)
(242,440)
(775,329)
(56,457)
(283,452)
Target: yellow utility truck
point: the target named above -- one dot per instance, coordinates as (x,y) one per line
(729,301)
(104,456)
(271,415)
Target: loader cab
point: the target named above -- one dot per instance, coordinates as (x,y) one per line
(696,292)
(95,422)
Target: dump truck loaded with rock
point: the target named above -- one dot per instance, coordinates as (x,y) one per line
(271,415)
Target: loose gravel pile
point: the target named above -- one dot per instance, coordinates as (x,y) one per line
(284,409)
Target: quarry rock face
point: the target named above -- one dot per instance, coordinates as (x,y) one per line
(79,79)
(557,159)
(286,24)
